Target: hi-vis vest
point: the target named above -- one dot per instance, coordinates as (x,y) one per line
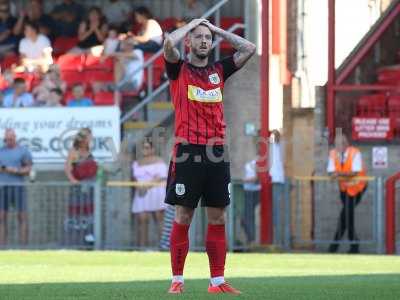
(351,187)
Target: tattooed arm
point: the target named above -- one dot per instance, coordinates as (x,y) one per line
(171,53)
(244,48)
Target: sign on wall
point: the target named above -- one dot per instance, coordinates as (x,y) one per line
(372,129)
(49,132)
(379,157)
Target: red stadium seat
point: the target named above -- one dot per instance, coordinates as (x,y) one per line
(71,62)
(168,24)
(104,98)
(9,60)
(389,76)
(97,69)
(63,44)
(72,77)
(372,105)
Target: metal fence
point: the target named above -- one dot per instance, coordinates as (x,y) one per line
(95,216)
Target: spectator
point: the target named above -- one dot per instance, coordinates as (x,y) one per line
(79,100)
(148,201)
(190,9)
(345,162)
(35,49)
(277,173)
(34,14)
(128,68)
(8,41)
(151,36)
(111,43)
(68,15)
(18,97)
(251,189)
(55,98)
(80,169)
(117,13)
(15,164)
(52,80)
(92,31)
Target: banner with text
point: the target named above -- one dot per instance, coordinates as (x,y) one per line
(372,129)
(49,132)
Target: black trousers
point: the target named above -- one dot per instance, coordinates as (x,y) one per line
(346,220)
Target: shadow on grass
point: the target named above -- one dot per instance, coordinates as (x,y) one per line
(376,286)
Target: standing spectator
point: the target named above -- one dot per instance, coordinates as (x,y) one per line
(149,201)
(34,14)
(117,13)
(190,9)
(18,97)
(79,100)
(251,189)
(151,36)
(92,31)
(35,49)
(52,80)
(277,174)
(15,164)
(8,41)
(68,15)
(81,170)
(345,163)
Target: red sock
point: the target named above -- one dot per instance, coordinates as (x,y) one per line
(179,247)
(216,249)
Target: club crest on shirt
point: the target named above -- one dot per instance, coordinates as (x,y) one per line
(214,78)
(180,189)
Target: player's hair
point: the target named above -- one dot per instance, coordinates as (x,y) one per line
(80,137)
(19,81)
(58,91)
(144,11)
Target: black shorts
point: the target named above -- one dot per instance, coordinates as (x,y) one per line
(13,196)
(199,171)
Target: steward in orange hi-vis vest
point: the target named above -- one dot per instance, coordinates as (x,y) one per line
(351,186)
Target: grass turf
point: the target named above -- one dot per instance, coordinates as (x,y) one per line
(132,275)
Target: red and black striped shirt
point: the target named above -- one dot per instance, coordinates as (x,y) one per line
(197,95)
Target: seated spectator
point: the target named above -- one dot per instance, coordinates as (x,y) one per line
(18,97)
(52,80)
(117,13)
(110,45)
(68,15)
(78,91)
(55,98)
(190,9)
(35,49)
(128,61)
(92,31)
(151,36)
(34,14)
(8,41)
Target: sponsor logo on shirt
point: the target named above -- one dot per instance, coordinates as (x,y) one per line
(214,78)
(210,96)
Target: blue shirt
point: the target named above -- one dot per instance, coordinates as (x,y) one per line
(24,100)
(17,157)
(80,102)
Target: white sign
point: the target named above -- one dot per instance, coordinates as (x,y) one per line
(49,132)
(379,157)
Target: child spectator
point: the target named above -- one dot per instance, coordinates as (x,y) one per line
(151,35)
(68,15)
(79,100)
(18,97)
(52,80)
(55,98)
(111,43)
(92,31)
(8,41)
(35,49)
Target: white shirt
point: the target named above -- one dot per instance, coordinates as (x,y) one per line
(23,100)
(356,164)
(276,171)
(110,46)
(154,31)
(34,49)
(116,12)
(250,172)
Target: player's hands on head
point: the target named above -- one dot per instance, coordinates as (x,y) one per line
(197,22)
(211,26)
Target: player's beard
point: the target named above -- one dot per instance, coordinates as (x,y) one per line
(201,56)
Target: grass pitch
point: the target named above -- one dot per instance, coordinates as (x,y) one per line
(131,275)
